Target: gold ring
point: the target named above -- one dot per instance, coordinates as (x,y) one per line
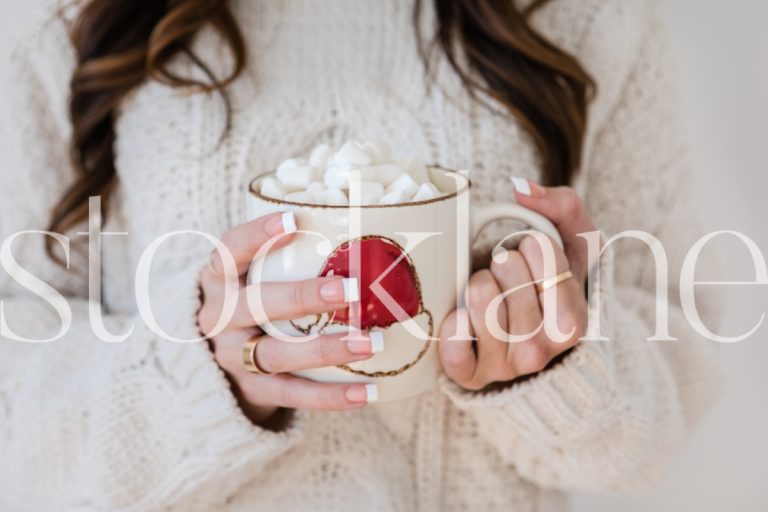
(249,355)
(553,281)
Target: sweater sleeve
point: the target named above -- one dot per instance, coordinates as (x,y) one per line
(610,415)
(85,424)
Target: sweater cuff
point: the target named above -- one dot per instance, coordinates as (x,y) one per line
(204,403)
(565,401)
(561,403)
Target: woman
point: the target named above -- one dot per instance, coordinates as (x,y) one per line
(148,424)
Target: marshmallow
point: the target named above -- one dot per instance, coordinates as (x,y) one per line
(394,197)
(287,165)
(335,177)
(332,196)
(270,187)
(387,173)
(299,197)
(426,191)
(316,187)
(319,156)
(351,153)
(379,152)
(404,183)
(362,193)
(296,178)
(416,169)
(361,173)
(339,176)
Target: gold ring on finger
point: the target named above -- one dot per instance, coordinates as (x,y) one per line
(249,355)
(553,281)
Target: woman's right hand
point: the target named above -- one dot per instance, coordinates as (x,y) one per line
(260,396)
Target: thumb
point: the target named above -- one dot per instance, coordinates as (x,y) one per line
(566,210)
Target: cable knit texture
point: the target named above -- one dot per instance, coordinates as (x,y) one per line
(149,425)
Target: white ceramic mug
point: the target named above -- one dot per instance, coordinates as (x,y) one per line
(418,255)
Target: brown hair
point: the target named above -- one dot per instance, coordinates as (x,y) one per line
(545,88)
(120,45)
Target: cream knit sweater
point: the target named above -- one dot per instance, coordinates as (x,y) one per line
(149,425)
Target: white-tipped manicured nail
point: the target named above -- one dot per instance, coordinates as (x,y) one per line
(289,222)
(377,342)
(351,289)
(371,392)
(522,186)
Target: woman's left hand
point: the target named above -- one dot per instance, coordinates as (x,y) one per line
(523,312)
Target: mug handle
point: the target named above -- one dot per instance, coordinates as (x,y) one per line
(484,215)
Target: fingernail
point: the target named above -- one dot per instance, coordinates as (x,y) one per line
(522,186)
(332,291)
(528,188)
(377,342)
(288,221)
(373,343)
(340,290)
(363,394)
(284,223)
(351,289)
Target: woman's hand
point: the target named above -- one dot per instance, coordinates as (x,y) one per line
(523,312)
(260,396)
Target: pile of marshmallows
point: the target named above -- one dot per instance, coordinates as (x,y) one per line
(357,174)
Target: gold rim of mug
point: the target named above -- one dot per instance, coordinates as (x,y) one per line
(464,188)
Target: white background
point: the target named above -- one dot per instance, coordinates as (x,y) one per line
(721,51)
(722,57)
